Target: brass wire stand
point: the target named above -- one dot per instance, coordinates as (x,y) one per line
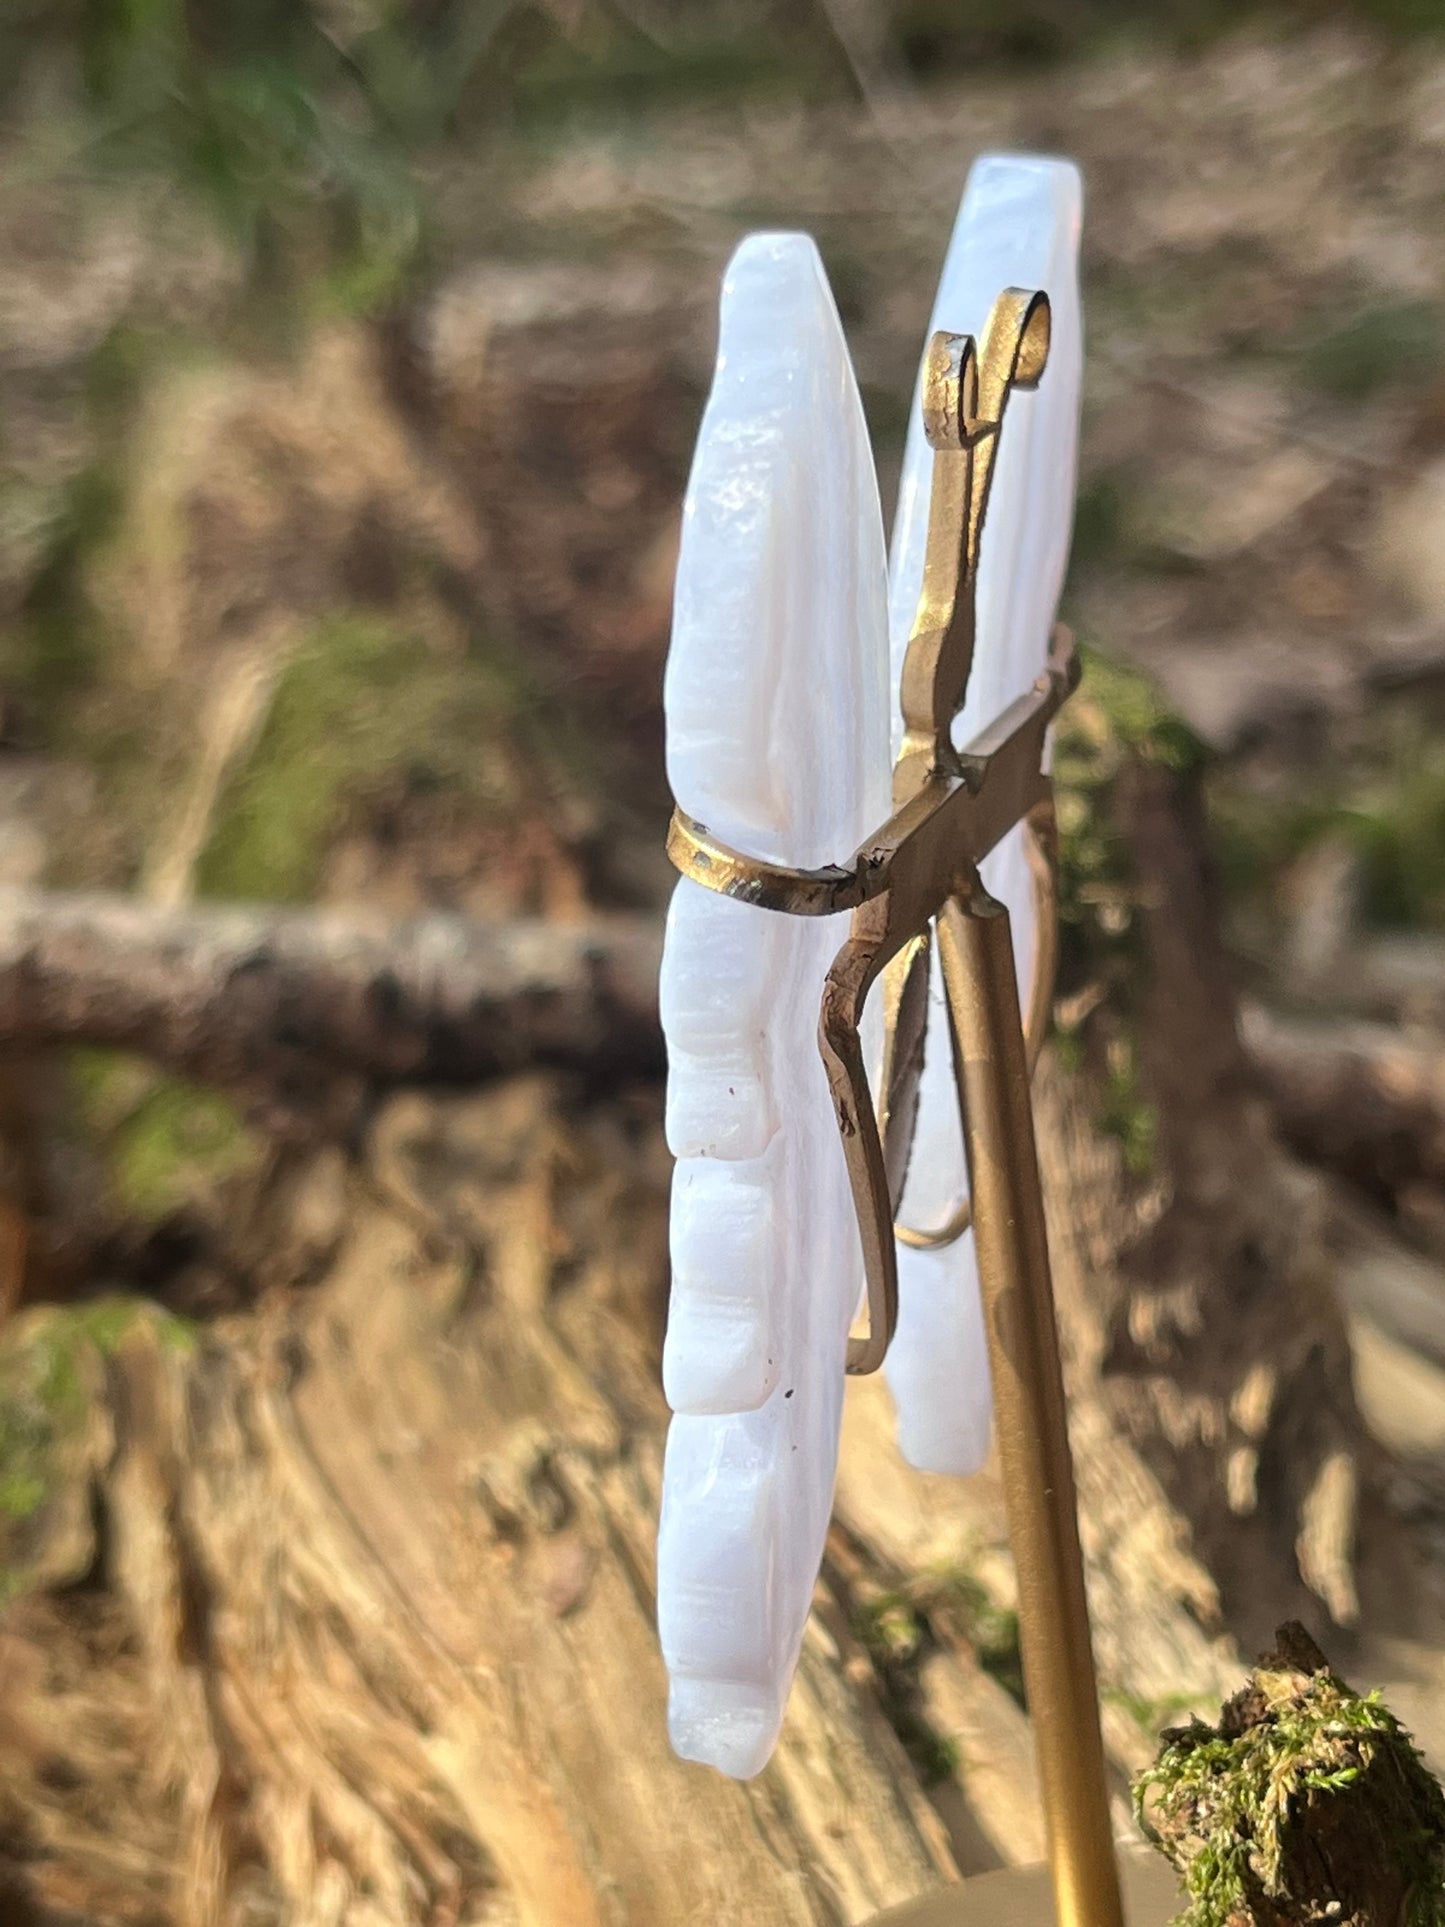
(914,882)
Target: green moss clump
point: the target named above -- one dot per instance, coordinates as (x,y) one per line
(361,699)
(898,1627)
(1116,714)
(1240,1810)
(1392,343)
(164,1142)
(1387,805)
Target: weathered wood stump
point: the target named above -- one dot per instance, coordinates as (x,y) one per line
(1306,1803)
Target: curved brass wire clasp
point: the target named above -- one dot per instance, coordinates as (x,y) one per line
(966,388)
(950,806)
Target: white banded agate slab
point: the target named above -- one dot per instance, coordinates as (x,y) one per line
(778,707)
(777,739)
(1018,226)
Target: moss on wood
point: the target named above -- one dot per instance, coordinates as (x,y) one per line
(360,699)
(1117,717)
(52,1361)
(163,1142)
(1308,1803)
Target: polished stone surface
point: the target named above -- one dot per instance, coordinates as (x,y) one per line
(777,716)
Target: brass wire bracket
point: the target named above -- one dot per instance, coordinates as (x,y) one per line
(950,808)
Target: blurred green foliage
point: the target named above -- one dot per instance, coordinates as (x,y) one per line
(1398,826)
(50,1360)
(1151,1713)
(52,649)
(1380,347)
(293,122)
(54,645)
(992,1630)
(164,1142)
(40,1397)
(1117,714)
(1386,805)
(300,123)
(361,698)
(311,129)
(894,1623)
(895,1626)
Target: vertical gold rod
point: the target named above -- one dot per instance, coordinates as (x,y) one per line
(976,952)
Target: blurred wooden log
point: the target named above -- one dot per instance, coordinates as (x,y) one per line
(1364,1100)
(260,999)
(1380,1278)
(373,1639)
(1388,978)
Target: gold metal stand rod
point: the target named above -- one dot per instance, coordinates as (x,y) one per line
(976,952)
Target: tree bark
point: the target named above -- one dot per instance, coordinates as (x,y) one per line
(1303,1804)
(369,1628)
(1226,1356)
